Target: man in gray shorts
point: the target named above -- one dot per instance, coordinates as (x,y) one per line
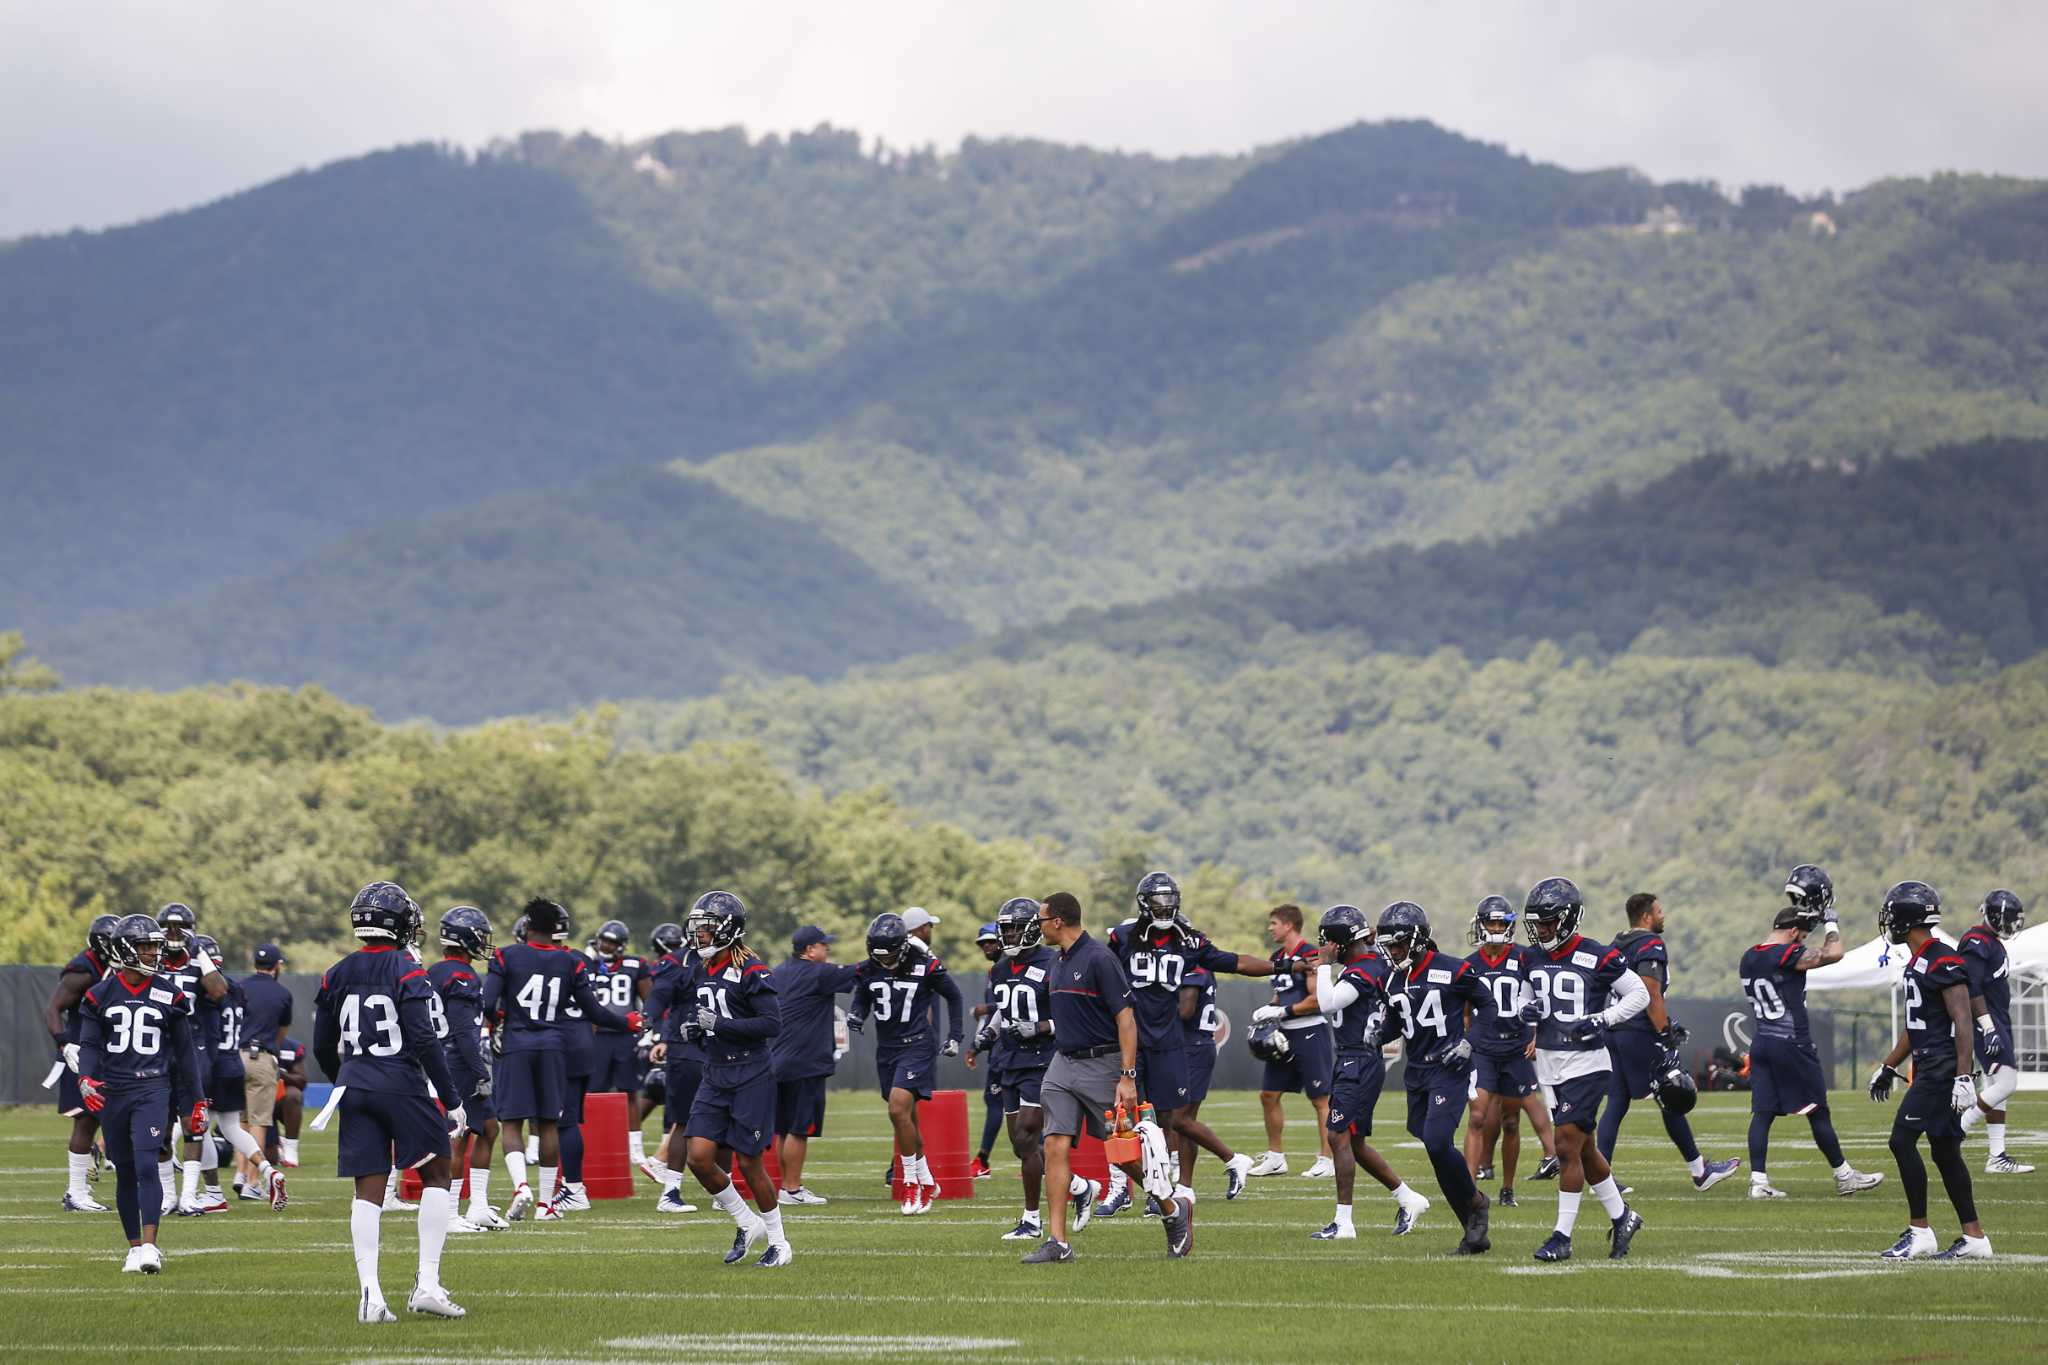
(1095,1068)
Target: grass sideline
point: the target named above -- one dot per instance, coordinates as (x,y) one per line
(1714,1276)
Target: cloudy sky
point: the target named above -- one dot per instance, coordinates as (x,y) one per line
(115,112)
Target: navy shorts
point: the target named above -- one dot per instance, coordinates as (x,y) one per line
(614,1066)
(383,1131)
(477,1113)
(1020,1089)
(1577,1101)
(1926,1108)
(1201,1067)
(910,1071)
(1354,1093)
(1635,1055)
(1163,1076)
(1436,1108)
(133,1126)
(680,1080)
(800,1106)
(1312,1067)
(739,1114)
(1512,1076)
(530,1085)
(1785,1077)
(69,1102)
(224,1090)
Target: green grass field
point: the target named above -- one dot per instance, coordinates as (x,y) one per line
(1714,1276)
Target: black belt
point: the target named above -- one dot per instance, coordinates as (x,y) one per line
(1082,1054)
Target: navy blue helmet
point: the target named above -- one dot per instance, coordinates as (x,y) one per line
(1812,893)
(1493,921)
(1344,927)
(178,923)
(1017,922)
(208,944)
(1554,908)
(1673,1087)
(466,929)
(887,936)
(99,938)
(1269,1042)
(383,910)
(666,938)
(2004,913)
(137,942)
(612,937)
(717,921)
(543,916)
(1403,931)
(1159,900)
(1907,906)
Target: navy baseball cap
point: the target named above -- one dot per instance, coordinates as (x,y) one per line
(989,933)
(269,955)
(809,934)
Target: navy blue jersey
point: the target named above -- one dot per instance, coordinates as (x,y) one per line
(1156,963)
(1020,989)
(1430,994)
(290,1052)
(618,983)
(999,1052)
(900,1001)
(671,1003)
(1568,984)
(140,1037)
(267,1009)
(1497,1027)
(185,975)
(1088,992)
(1643,952)
(90,967)
(1777,993)
(377,1025)
(454,979)
(531,985)
(221,1022)
(1357,1025)
(1984,959)
(1294,972)
(1936,969)
(806,992)
(742,995)
(1199,1029)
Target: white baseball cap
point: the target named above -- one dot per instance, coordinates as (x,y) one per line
(917,917)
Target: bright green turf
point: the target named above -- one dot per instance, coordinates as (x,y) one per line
(1714,1277)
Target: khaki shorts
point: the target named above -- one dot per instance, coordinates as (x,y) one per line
(259,1089)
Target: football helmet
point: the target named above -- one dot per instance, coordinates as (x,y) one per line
(1812,893)
(612,938)
(178,923)
(666,938)
(382,910)
(1908,906)
(1344,927)
(1673,1086)
(1017,922)
(137,943)
(2004,913)
(1158,900)
(99,938)
(466,929)
(1493,921)
(1403,931)
(544,916)
(887,936)
(1554,908)
(208,944)
(1269,1043)
(717,921)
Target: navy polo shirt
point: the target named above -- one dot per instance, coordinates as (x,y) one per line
(1088,992)
(267,1011)
(804,1047)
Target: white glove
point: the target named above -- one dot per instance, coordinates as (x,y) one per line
(707,1020)
(457,1121)
(1269,1014)
(71,1057)
(204,963)
(483,1087)
(1963,1095)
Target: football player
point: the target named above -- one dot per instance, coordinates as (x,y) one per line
(80,975)
(136,1064)
(1018,1038)
(465,938)
(376,1029)
(217,1028)
(1784,1067)
(1642,1046)
(200,978)
(579,1063)
(1351,990)
(622,980)
(528,985)
(281,1139)
(803,1055)
(1503,1078)
(991,944)
(1940,1035)
(652,1092)
(735,1014)
(1578,991)
(897,984)
(1999,916)
(1308,1061)
(1156,949)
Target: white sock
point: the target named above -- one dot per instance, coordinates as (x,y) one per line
(773,1218)
(190,1191)
(533,1148)
(636,1145)
(1031,1217)
(546,1193)
(1077,1188)
(1117,1181)
(1609,1195)
(1176,1168)
(291,1150)
(1271,1152)
(515,1164)
(1697,1166)
(1759,1178)
(1183,1196)
(728,1202)
(437,1203)
(924,1172)
(1843,1171)
(1405,1195)
(1343,1215)
(80,1166)
(1975,1242)
(1994,1136)
(1568,1210)
(479,1187)
(363,1220)
(167,1176)
(1972,1116)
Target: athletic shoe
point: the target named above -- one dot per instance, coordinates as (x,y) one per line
(370,1309)
(1766,1190)
(1180,1229)
(672,1201)
(1507,1198)
(1913,1244)
(1152,1208)
(1119,1199)
(1235,1171)
(979,1169)
(573,1199)
(1547,1169)
(802,1195)
(433,1302)
(1025,1231)
(1621,1232)
(82,1203)
(1484,1173)
(277,1195)
(743,1239)
(927,1197)
(1475,1240)
(912,1205)
(1626,1190)
(247,1190)
(1084,1209)
(133,1265)
(457,1223)
(548,1213)
(522,1203)
(153,1259)
(485,1218)
(1854,1182)
(190,1208)
(1407,1216)
(1272,1163)
(2001,1164)
(1049,1252)
(393,1204)
(776,1256)
(1334,1231)
(654,1170)
(1557,1248)
(1965,1249)
(1716,1172)
(1323,1169)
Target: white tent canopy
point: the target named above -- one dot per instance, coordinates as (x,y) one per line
(1879,965)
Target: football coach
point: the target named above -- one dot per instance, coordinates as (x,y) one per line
(1094,1068)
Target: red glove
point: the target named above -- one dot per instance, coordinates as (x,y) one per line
(195,1124)
(635,1021)
(93,1093)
